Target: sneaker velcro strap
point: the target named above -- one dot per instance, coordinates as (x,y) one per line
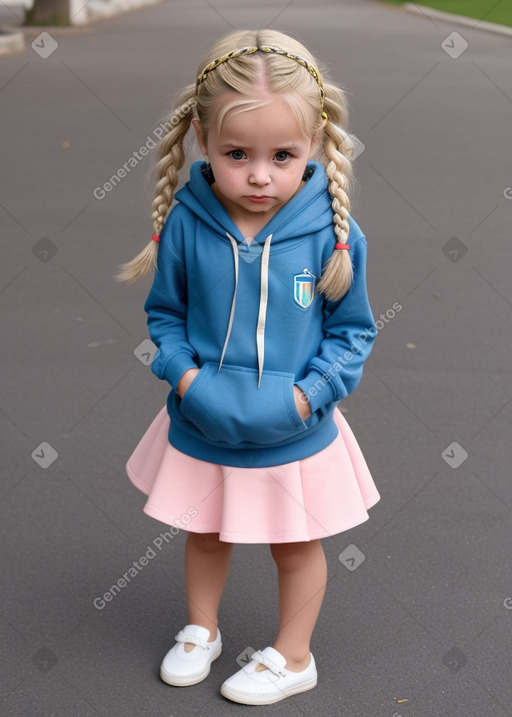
(268,662)
(183,636)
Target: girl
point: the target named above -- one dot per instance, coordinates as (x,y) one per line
(260,314)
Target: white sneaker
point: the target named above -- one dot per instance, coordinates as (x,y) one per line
(252,687)
(182,668)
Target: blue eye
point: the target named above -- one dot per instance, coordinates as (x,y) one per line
(235,154)
(283,152)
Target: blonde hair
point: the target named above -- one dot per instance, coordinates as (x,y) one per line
(301,92)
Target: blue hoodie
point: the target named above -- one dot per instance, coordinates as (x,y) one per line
(249,317)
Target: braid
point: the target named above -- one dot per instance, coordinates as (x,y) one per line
(171,159)
(337,276)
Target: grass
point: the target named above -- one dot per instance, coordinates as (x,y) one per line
(488,10)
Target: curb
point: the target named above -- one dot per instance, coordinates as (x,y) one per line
(14,39)
(472,22)
(11,41)
(100,10)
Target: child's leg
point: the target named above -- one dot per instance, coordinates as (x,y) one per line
(302,570)
(206,568)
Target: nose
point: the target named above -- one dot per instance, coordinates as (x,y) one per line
(259,174)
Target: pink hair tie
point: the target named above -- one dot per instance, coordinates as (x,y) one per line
(342,246)
(156,238)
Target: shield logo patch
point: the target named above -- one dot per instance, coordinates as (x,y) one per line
(304,288)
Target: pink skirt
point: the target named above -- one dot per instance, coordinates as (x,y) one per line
(315,497)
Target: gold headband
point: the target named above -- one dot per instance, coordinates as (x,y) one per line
(266,48)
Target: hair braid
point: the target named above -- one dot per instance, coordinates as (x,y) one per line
(171,159)
(337,276)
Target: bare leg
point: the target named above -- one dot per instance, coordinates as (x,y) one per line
(302,570)
(206,567)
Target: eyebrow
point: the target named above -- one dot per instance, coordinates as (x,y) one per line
(282,147)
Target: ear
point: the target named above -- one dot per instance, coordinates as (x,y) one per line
(200,136)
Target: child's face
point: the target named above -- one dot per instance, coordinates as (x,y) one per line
(257,159)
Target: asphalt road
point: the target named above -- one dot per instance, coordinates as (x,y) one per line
(423,625)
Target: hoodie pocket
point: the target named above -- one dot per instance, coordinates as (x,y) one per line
(227,405)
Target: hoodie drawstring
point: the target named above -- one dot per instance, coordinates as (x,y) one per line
(234,246)
(262,314)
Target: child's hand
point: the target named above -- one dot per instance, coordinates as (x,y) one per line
(186,380)
(301,403)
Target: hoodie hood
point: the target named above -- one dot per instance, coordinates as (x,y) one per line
(309,210)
